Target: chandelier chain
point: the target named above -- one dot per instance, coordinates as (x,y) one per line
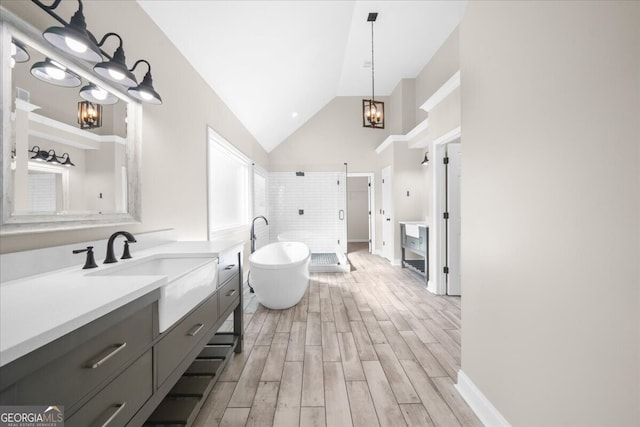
(373,97)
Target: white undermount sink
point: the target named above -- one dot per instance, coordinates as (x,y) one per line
(189,281)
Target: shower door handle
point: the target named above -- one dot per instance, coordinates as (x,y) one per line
(341,214)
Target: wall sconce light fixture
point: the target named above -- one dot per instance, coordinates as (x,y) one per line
(65,160)
(97,95)
(89,115)
(40,155)
(75,39)
(51,72)
(372,110)
(426,160)
(115,69)
(50,157)
(18,53)
(145,91)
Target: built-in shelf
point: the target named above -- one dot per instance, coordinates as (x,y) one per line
(418,136)
(56,131)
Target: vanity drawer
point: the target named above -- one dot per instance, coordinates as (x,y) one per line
(72,376)
(229,293)
(228,266)
(119,401)
(179,340)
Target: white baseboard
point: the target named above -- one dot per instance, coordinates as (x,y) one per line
(483,408)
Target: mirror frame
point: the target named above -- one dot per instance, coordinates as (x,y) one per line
(12,25)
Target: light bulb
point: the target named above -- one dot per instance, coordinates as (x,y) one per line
(75,45)
(146,96)
(14,49)
(116,74)
(55,72)
(13,62)
(99,93)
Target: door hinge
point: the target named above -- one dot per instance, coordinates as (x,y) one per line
(446,270)
(383,180)
(445,215)
(369,184)
(338,241)
(384,243)
(369,212)
(445,160)
(338,182)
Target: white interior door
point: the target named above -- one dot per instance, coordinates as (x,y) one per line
(385,211)
(454,281)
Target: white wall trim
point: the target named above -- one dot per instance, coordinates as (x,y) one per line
(444,91)
(478,402)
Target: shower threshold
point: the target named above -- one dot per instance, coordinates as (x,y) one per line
(329,262)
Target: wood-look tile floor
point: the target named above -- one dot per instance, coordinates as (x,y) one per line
(367,348)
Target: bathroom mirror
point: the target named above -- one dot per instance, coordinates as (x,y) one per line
(55,174)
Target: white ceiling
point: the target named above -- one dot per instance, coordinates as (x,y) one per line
(270,59)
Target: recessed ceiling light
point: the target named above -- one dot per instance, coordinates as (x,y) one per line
(294,115)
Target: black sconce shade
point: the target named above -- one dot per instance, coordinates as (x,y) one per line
(145,91)
(97,95)
(116,69)
(51,72)
(74,38)
(426,160)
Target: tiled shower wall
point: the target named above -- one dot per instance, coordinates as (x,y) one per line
(313,204)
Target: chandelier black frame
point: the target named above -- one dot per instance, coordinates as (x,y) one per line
(372,110)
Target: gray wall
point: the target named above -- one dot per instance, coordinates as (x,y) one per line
(550,198)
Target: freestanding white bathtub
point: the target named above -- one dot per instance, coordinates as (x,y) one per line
(280,273)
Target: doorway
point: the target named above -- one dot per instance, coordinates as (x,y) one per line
(386,215)
(447,214)
(360,206)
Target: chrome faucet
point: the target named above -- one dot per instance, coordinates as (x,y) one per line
(111,258)
(253,234)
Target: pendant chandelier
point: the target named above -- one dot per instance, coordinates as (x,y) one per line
(372,110)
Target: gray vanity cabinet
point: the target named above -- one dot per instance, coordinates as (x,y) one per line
(72,369)
(184,336)
(118,369)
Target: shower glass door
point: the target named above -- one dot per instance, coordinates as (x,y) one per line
(311,207)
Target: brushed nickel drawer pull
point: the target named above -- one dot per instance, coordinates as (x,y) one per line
(96,364)
(119,409)
(229,267)
(230,294)
(193,332)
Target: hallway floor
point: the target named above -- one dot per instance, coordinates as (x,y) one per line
(366,348)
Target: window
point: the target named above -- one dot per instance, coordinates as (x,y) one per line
(228,186)
(259,191)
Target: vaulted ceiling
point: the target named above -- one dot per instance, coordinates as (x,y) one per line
(277,63)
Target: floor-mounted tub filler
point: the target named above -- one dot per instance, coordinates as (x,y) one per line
(280,273)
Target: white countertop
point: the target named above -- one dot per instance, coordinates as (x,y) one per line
(36,310)
(418,223)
